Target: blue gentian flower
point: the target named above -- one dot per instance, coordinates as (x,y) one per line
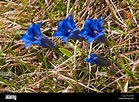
(34,36)
(68,30)
(93,30)
(99,60)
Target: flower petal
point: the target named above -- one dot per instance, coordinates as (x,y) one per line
(101,37)
(87,59)
(86,34)
(93,30)
(62,36)
(69,22)
(67,30)
(100,21)
(94,24)
(36,28)
(26,38)
(27,44)
(59,33)
(99,60)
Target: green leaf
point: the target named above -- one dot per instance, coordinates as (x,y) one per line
(24,2)
(66,52)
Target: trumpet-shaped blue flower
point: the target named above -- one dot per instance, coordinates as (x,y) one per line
(68,30)
(93,31)
(99,60)
(34,36)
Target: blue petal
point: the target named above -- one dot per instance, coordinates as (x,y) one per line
(36,28)
(90,40)
(100,24)
(66,24)
(89,29)
(27,44)
(69,22)
(101,37)
(61,36)
(94,24)
(30,33)
(33,36)
(59,33)
(67,30)
(65,39)
(83,31)
(60,24)
(94,58)
(26,38)
(76,31)
(99,60)
(87,59)
(62,28)
(93,55)
(38,42)
(87,36)
(71,35)
(88,23)
(86,31)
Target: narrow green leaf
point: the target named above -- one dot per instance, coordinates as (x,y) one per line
(66,52)
(26,66)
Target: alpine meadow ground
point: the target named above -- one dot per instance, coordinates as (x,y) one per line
(77,65)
